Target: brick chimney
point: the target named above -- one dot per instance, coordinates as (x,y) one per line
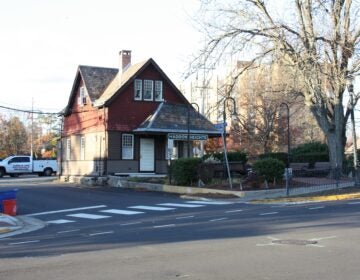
(125,60)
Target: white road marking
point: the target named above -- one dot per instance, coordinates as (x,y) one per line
(219,219)
(88,216)
(122,212)
(353,203)
(323,238)
(164,226)
(181,205)
(315,208)
(153,208)
(184,217)
(234,211)
(68,231)
(129,224)
(60,221)
(210,202)
(269,213)
(66,210)
(101,233)
(24,242)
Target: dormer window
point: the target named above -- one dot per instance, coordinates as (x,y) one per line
(158,91)
(82,98)
(138,89)
(148,90)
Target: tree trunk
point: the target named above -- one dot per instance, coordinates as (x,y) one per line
(336,149)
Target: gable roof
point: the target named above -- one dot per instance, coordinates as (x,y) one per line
(96,79)
(174,118)
(105,84)
(118,84)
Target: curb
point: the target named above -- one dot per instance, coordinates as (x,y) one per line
(310,199)
(22,224)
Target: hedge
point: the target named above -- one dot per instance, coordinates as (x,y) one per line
(279,156)
(232,156)
(269,169)
(184,171)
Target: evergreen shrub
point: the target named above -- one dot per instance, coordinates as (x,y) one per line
(269,169)
(184,170)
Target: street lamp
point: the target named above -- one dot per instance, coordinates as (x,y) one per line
(188,126)
(350,87)
(288,134)
(234,113)
(288,144)
(224,134)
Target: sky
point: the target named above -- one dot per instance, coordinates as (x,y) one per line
(44,41)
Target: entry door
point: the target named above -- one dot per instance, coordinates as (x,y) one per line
(147,154)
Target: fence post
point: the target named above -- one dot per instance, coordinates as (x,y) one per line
(287,181)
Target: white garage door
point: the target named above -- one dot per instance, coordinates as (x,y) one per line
(147,154)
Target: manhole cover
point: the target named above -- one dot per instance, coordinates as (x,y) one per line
(294,242)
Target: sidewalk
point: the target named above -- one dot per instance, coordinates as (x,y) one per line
(10,226)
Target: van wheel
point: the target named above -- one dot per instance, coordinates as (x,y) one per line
(48,172)
(2,172)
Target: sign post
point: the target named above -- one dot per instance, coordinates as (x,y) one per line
(221,128)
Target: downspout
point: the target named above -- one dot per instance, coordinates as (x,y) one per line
(106,144)
(61,145)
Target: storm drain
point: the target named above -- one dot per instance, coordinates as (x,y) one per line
(294,242)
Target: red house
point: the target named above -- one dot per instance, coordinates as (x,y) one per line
(127,120)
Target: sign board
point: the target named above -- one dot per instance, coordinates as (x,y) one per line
(184,136)
(220,126)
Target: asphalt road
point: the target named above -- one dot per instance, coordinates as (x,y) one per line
(111,234)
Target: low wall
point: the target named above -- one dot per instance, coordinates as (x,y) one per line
(120,182)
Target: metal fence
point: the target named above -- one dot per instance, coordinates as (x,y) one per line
(318,179)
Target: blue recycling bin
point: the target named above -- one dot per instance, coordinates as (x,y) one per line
(7,195)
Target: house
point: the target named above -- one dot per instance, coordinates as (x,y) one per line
(127,120)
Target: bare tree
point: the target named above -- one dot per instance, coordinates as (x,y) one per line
(318,40)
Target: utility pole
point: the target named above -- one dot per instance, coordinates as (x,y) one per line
(32,128)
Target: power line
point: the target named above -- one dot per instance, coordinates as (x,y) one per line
(29,111)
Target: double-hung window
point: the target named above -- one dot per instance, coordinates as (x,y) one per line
(82,97)
(127,146)
(82,148)
(158,90)
(68,149)
(148,90)
(138,89)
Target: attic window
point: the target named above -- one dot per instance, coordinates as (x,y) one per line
(138,89)
(82,98)
(158,90)
(148,90)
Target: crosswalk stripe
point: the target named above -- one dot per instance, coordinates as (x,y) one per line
(180,205)
(122,212)
(66,210)
(154,208)
(60,221)
(210,202)
(88,216)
